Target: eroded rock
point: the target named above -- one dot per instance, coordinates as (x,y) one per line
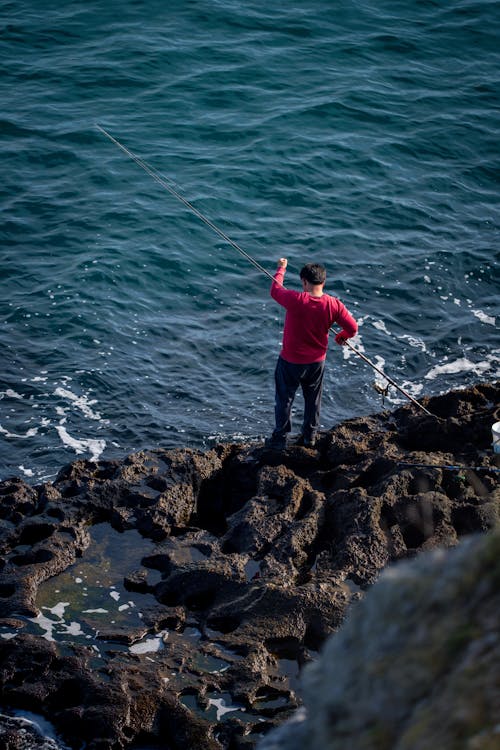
(254,558)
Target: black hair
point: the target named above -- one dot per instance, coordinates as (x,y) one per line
(314,273)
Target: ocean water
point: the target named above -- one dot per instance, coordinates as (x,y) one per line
(361,134)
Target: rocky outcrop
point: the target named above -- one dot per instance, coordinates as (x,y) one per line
(416,663)
(254,559)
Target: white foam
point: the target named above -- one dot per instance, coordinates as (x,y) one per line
(26,472)
(46,624)
(149,645)
(221,708)
(29,433)
(357,343)
(484,318)
(94,447)
(10,394)
(81,402)
(459,365)
(58,609)
(99,611)
(414,389)
(380,326)
(413,341)
(74,628)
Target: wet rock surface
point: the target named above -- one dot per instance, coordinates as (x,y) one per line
(18,733)
(241,561)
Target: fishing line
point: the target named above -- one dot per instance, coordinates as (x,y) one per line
(164,183)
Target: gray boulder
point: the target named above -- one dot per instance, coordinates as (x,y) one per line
(416,664)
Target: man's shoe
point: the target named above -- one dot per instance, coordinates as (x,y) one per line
(306,443)
(276,443)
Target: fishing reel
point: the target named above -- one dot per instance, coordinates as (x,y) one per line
(383,390)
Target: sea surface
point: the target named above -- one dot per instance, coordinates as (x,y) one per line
(361,134)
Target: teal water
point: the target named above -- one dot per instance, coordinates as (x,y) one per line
(359,134)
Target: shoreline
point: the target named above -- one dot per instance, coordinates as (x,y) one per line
(198,584)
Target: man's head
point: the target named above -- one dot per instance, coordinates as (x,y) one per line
(314,273)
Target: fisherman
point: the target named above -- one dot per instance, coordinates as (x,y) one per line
(309,317)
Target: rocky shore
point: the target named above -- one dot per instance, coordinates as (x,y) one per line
(234,568)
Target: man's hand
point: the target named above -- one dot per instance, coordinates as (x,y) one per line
(341,338)
(282,263)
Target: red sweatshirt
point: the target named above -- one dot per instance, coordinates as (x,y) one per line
(307,322)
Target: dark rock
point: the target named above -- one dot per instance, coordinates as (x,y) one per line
(255,558)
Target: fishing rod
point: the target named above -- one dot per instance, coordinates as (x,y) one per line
(388,378)
(163,182)
(450,467)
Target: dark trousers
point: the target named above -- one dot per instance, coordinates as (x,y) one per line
(288,377)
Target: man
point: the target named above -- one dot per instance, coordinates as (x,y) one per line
(309,317)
